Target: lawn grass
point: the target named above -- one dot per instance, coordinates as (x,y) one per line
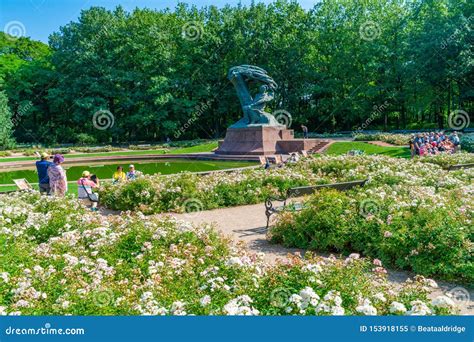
(207,147)
(343,147)
(163,167)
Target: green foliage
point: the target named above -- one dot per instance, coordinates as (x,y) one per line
(395,139)
(143,67)
(57,258)
(6,125)
(467,143)
(414,215)
(85,139)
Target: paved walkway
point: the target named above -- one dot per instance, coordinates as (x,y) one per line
(247,223)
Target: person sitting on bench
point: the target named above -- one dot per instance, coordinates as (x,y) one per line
(133,174)
(84,189)
(294,158)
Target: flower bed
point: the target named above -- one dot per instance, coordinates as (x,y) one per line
(410,215)
(395,139)
(446,160)
(185,191)
(57,258)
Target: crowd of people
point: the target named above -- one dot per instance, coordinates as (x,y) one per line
(53,179)
(433,143)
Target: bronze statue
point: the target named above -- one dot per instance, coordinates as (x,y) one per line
(253,108)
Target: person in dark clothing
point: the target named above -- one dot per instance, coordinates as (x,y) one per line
(267,163)
(305,131)
(95,179)
(411,143)
(43,178)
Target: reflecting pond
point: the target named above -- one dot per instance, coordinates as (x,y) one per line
(102,171)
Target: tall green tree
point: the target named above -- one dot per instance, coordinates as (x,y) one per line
(163,73)
(6,140)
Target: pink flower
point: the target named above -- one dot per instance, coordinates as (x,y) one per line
(387,234)
(389,219)
(379,270)
(377,262)
(354,256)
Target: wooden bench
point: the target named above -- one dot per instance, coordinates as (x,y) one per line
(460,166)
(270,209)
(22,184)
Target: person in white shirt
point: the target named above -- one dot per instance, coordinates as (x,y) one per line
(133,174)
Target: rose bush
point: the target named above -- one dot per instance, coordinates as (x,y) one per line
(57,258)
(414,216)
(395,139)
(154,194)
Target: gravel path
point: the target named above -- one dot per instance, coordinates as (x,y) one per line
(247,223)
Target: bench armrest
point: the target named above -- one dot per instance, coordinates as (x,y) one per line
(270,199)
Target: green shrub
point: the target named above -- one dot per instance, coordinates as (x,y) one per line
(5,154)
(427,234)
(59,259)
(85,139)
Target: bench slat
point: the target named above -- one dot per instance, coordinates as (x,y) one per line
(460,166)
(305,190)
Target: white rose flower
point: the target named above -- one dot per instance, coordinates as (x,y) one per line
(443,302)
(205,301)
(397,308)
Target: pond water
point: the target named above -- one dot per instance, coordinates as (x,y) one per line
(105,171)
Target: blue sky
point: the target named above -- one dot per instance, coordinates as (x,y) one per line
(39,18)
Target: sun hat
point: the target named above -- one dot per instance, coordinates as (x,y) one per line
(86,174)
(131,165)
(44,155)
(58,159)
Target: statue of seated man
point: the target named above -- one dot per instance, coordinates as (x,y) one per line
(255,111)
(253,107)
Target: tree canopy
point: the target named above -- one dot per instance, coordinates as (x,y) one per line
(343,65)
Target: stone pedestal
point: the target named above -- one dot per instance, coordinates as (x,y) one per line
(262,140)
